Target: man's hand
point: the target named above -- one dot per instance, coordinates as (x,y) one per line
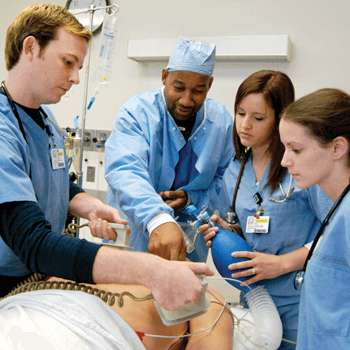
(175,283)
(172,283)
(98,213)
(167,242)
(100,218)
(176,200)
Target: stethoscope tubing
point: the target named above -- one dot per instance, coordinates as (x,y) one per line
(15,112)
(289,193)
(299,278)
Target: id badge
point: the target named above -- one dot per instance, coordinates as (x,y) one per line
(258,224)
(58,159)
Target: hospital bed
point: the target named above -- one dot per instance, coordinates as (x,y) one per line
(66,319)
(69,319)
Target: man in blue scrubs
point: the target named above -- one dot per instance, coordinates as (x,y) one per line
(45,49)
(169,148)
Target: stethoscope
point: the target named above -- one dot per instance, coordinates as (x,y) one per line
(14,109)
(15,112)
(299,278)
(289,193)
(231,216)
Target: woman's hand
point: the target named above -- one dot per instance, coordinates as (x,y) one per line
(210,232)
(261,266)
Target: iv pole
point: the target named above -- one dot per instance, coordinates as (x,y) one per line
(80,138)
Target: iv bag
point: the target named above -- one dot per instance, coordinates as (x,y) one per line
(105,60)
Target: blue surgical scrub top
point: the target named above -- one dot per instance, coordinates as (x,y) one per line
(144,150)
(325,301)
(293,223)
(26,174)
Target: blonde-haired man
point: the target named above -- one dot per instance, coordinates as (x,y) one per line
(45,49)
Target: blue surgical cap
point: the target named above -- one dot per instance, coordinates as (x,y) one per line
(192,56)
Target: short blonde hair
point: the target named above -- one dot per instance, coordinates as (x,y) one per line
(41,22)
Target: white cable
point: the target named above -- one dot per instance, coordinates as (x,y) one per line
(257,339)
(268,326)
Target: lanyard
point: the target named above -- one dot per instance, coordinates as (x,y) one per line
(299,278)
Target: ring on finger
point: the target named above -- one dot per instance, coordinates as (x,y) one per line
(253,271)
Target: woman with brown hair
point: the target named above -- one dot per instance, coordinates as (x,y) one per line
(261,202)
(316,133)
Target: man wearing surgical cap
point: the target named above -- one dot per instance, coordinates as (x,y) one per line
(169,149)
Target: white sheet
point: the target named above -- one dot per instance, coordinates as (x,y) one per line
(63,320)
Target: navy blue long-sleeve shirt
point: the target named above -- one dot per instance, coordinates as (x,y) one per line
(23,223)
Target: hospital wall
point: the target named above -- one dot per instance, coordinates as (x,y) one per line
(318,29)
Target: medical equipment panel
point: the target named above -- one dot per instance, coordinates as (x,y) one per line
(93,170)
